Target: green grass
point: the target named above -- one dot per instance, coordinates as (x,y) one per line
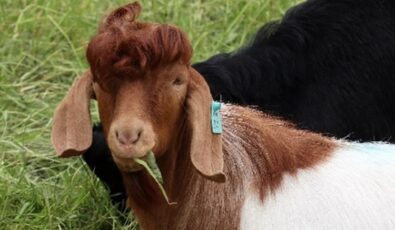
(42,44)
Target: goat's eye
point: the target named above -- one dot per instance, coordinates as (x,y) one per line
(177,81)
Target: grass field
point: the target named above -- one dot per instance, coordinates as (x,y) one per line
(42,50)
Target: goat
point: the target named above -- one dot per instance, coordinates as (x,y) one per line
(327,67)
(261,172)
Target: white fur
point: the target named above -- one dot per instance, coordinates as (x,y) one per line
(354,189)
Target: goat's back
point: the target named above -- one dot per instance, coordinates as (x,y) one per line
(354,189)
(328,66)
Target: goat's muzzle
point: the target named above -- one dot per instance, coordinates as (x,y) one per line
(130,139)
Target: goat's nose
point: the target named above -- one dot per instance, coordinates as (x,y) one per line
(128,136)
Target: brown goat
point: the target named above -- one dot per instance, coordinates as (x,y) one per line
(150,98)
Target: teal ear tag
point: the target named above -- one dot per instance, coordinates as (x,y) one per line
(216,120)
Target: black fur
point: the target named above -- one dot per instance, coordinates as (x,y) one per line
(328,66)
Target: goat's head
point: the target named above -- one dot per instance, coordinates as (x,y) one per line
(146,91)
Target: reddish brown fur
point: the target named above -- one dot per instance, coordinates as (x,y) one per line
(258,149)
(126,48)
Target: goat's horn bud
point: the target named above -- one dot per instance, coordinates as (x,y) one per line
(126,13)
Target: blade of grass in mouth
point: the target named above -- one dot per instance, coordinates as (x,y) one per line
(152,168)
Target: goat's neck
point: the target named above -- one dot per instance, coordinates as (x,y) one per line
(143,194)
(176,160)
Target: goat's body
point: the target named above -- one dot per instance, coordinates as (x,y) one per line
(328,66)
(249,139)
(354,189)
(280,178)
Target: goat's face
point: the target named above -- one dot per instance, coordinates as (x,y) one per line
(146,91)
(142,113)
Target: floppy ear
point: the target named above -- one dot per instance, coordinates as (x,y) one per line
(72,128)
(206,147)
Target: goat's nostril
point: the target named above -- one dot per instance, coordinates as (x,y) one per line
(122,137)
(128,137)
(137,136)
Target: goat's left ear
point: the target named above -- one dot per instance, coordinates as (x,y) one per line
(72,128)
(206,147)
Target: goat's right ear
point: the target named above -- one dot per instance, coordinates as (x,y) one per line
(72,128)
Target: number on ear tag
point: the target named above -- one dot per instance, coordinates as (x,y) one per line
(216,120)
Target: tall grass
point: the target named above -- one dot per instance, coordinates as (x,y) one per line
(42,44)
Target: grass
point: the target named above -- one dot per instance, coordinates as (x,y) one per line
(42,44)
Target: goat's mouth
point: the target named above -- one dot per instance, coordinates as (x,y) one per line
(125,160)
(127,164)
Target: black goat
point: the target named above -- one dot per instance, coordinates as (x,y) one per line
(328,66)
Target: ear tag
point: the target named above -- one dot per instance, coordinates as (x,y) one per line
(216,120)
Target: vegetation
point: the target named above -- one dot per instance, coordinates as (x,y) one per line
(42,51)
